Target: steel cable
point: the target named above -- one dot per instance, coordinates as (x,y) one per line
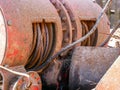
(94,28)
(108,38)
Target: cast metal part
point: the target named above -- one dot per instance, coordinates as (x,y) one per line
(8,79)
(88,11)
(44,27)
(89,64)
(24,15)
(37,29)
(66,23)
(12,81)
(65,20)
(21,83)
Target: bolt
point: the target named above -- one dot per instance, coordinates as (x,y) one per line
(9,22)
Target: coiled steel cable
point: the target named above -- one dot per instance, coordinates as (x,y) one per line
(44,44)
(94,28)
(34,57)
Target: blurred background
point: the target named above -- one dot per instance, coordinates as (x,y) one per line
(114,11)
(113,15)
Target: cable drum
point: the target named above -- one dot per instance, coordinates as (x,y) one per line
(34,32)
(38,30)
(43,44)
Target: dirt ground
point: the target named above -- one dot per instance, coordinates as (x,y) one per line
(115,40)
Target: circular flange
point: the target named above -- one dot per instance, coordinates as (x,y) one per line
(34,83)
(65,20)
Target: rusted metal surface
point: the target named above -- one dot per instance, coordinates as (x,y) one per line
(111,79)
(44,44)
(66,23)
(38,29)
(31,36)
(19,17)
(14,82)
(8,79)
(89,11)
(50,76)
(65,20)
(86,27)
(57,75)
(74,20)
(21,83)
(89,64)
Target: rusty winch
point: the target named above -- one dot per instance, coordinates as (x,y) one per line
(31,31)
